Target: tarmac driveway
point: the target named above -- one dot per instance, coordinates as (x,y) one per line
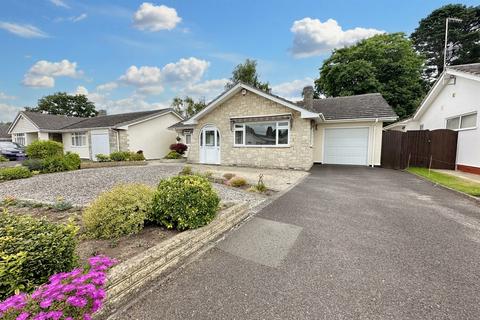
(347,243)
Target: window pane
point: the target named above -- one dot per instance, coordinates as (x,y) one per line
(283,124)
(260,134)
(218,139)
(469,121)
(282,136)
(188,139)
(210,138)
(453,123)
(201,138)
(238,137)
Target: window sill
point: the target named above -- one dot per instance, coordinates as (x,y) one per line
(465,129)
(265,146)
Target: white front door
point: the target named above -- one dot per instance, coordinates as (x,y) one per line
(100,144)
(346,146)
(210,145)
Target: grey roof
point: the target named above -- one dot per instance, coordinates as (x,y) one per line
(50,121)
(115,120)
(181,125)
(3,131)
(63,123)
(473,68)
(363,106)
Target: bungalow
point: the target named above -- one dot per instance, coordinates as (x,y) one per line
(4,136)
(245,126)
(145,130)
(452,103)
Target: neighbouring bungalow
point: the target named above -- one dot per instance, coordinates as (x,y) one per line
(146,131)
(4,136)
(452,103)
(245,126)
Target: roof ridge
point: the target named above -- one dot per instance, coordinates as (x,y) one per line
(352,96)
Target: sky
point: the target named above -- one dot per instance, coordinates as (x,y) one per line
(134,55)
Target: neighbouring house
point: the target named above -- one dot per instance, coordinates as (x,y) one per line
(103,134)
(245,126)
(452,103)
(4,136)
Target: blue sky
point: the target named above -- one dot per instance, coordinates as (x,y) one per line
(135,55)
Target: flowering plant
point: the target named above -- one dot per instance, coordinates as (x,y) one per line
(179,147)
(68,295)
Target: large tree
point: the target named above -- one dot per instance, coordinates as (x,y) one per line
(65,104)
(247,73)
(385,63)
(463,38)
(187,106)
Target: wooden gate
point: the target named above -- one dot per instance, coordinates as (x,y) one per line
(436,149)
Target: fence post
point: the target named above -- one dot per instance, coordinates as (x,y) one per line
(430,165)
(408,163)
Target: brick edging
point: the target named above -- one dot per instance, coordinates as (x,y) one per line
(130,276)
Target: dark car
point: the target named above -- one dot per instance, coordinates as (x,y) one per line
(12,150)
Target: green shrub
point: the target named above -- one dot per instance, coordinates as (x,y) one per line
(54,164)
(31,250)
(33,164)
(118,212)
(187,170)
(3,159)
(120,155)
(12,173)
(61,204)
(72,161)
(42,149)
(103,157)
(136,156)
(173,155)
(184,202)
(229,176)
(260,186)
(237,182)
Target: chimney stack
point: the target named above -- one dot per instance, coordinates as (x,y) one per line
(102,112)
(308,96)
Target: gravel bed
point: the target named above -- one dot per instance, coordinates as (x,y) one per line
(82,186)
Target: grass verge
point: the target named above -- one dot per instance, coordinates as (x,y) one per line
(462,185)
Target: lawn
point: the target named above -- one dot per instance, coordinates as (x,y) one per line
(462,185)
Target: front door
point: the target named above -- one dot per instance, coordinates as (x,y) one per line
(210,145)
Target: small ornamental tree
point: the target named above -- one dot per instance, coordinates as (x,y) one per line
(179,148)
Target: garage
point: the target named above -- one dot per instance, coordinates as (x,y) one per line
(100,142)
(346,146)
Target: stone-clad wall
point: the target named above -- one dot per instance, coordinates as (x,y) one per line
(298,155)
(122,138)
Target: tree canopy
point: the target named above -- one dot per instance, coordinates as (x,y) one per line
(247,73)
(62,103)
(187,106)
(463,38)
(385,63)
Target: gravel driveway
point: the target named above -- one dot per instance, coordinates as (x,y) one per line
(82,186)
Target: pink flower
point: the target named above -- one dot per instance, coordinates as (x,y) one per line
(23,316)
(77,302)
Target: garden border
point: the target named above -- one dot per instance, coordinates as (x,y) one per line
(107,164)
(129,277)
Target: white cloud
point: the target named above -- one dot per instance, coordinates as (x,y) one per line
(185,70)
(4,96)
(208,89)
(142,76)
(43,73)
(8,112)
(292,90)
(73,19)
(60,3)
(109,86)
(313,37)
(81,90)
(79,18)
(23,30)
(149,17)
(152,79)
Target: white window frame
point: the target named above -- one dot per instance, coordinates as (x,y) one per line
(20,138)
(79,139)
(460,121)
(188,134)
(241,128)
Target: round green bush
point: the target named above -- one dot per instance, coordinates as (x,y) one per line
(184,202)
(12,173)
(72,161)
(118,212)
(42,149)
(31,250)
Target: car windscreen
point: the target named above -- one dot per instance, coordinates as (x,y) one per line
(10,145)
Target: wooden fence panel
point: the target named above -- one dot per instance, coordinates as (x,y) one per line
(418,148)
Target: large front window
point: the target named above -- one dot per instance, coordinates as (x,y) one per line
(79,139)
(19,138)
(262,134)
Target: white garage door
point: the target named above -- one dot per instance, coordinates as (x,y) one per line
(346,146)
